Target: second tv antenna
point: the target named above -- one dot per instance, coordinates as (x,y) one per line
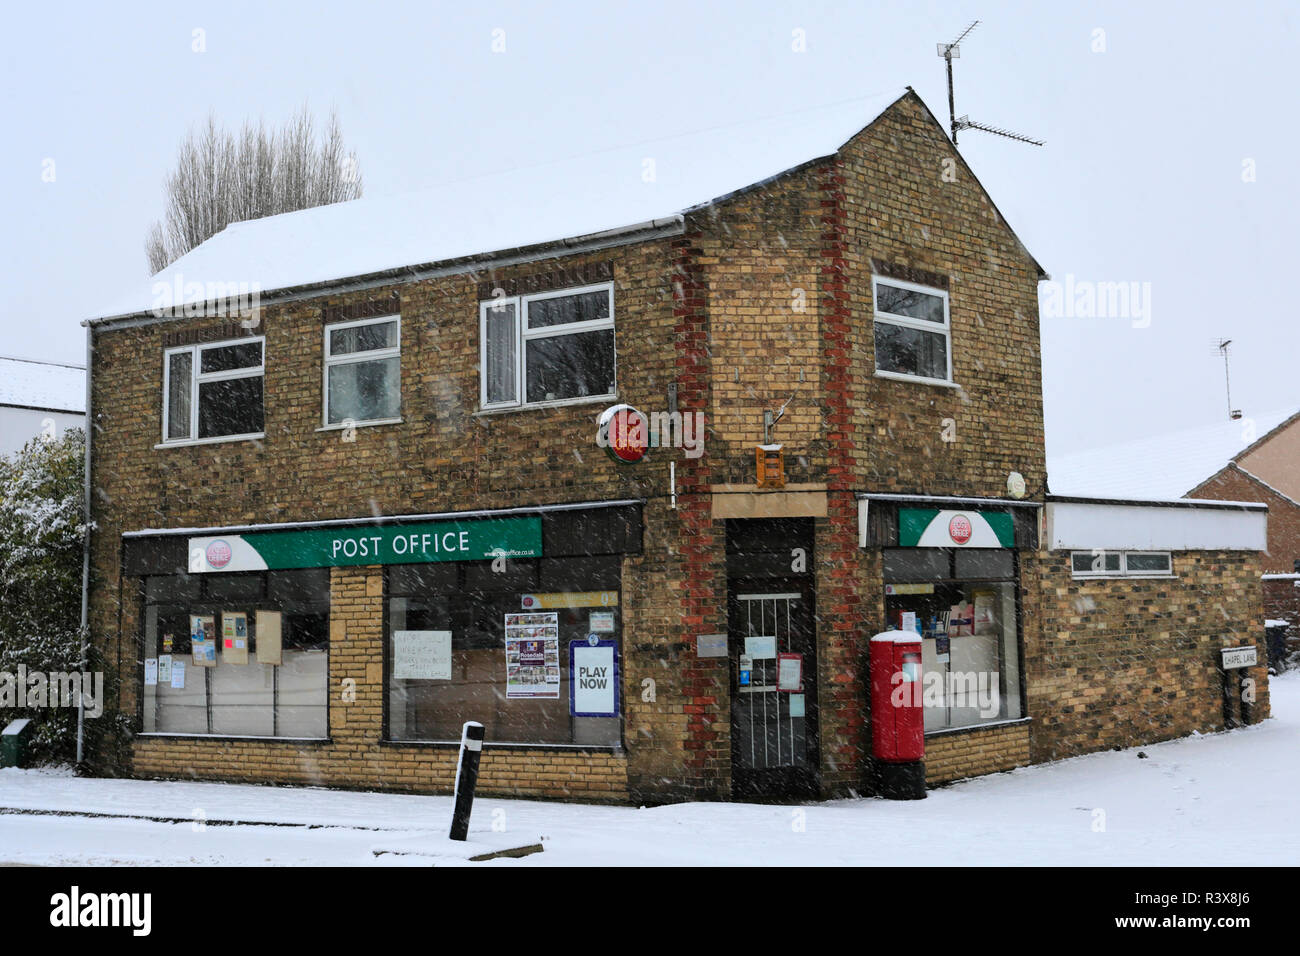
(951,51)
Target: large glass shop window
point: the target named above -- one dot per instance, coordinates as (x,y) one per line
(466,642)
(209,671)
(963,605)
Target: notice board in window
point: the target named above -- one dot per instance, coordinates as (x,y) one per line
(268,638)
(234,637)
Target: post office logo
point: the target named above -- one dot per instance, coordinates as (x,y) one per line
(959,529)
(218,554)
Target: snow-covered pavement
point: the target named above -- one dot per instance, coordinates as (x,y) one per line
(1222,799)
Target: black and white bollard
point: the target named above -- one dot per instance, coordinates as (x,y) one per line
(471,746)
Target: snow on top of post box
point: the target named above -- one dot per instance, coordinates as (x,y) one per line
(601,189)
(897,637)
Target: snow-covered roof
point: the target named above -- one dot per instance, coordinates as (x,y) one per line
(27,383)
(601,189)
(1162,466)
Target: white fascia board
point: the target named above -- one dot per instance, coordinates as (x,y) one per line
(1132,527)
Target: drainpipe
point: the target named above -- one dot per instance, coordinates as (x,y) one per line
(85,557)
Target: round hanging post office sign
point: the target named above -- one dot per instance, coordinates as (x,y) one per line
(624,433)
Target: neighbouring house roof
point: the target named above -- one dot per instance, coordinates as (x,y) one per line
(1162,466)
(601,191)
(1249,476)
(1265,436)
(48,386)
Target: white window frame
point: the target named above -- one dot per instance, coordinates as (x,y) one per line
(1123,571)
(198,378)
(890,318)
(351,358)
(523,335)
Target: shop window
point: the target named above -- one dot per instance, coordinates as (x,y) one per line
(962,603)
(1120,564)
(274,685)
(213,391)
(465,642)
(917,564)
(363,371)
(549,347)
(912,330)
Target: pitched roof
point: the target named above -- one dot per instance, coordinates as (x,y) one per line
(1162,466)
(602,189)
(1265,437)
(27,383)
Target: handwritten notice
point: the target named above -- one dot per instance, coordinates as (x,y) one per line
(422,655)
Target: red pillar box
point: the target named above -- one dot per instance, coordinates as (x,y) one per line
(897,721)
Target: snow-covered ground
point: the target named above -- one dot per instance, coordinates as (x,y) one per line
(1222,799)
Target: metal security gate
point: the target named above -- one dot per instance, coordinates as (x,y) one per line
(773,683)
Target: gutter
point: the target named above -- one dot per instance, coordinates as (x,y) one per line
(85,557)
(1204,504)
(382,520)
(673,225)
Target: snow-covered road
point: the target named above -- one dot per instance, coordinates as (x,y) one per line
(1222,799)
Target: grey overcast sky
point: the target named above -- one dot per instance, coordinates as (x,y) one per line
(1169,159)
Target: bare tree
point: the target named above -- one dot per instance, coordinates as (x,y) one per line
(221,177)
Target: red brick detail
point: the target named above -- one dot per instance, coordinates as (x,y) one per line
(842,692)
(702,586)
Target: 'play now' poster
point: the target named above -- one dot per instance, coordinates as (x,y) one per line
(593,678)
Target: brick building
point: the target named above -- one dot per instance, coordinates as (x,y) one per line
(330,531)
(1266,471)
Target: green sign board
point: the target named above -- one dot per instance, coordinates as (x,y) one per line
(935,528)
(474,539)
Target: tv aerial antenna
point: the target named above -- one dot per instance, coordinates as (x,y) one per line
(1233,413)
(950,52)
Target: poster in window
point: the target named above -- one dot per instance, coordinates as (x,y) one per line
(422,655)
(268,638)
(164,669)
(150,671)
(533,655)
(203,640)
(234,637)
(789,673)
(178,675)
(961,619)
(593,678)
(985,617)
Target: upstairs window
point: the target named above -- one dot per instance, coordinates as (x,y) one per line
(912,331)
(547,348)
(363,373)
(213,391)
